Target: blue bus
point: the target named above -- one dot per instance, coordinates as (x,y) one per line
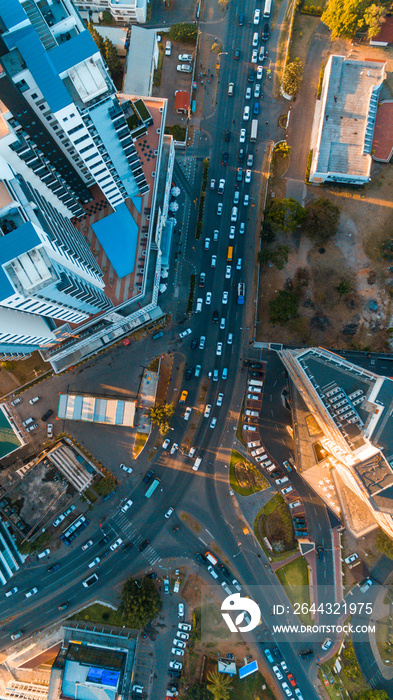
(152,487)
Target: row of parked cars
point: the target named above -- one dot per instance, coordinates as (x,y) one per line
(283,674)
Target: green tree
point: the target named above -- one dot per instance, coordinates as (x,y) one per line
(105,485)
(223,3)
(292,77)
(140,602)
(286,214)
(7,365)
(345,17)
(283,149)
(283,307)
(374,17)
(344,288)
(112,61)
(106,17)
(97,38)
(28,547)
(198,691)
(384,545)
(185,31)
(161,415)
(219,685)
(372,695)
(321,220)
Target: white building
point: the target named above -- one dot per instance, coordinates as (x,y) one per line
(121,10)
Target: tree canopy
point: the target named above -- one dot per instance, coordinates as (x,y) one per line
(384,545)
(283,307)
(286,214)
(321,220)
(140,602)
(346,17)
(105,485)
(185,31)
(372,695)
(161,414)
(292,77)
(219,685)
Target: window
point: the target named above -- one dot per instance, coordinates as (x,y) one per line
(76,128)
(65,119)
(82,138)
(34,96)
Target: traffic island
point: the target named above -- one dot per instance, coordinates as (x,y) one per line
(341,675)
(274,530)
(245,479)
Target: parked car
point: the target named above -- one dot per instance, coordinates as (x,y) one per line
(184,68)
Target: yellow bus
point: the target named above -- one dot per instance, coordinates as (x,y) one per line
(230,253)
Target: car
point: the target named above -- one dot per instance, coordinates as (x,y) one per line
(174,447)
(214,261)
(246,200)
(49,430)
(306,653)
(298,694)
(215,375)
(295,504)
(169,512)
(287,466)
(168,48)
(202,342)
(54,567)
(165,444)
(189,373)
(255,39)
(183,396)
(207,243)
(299,520)
(281,480)
(208,408)
(202,278)
(184,626)
(219,208)
(221,186)
(251,76)
(248,93)
(166,586)
(31,428)
(236,54)
(227,135)
(149,475)
(291,679)
(124,467)
(95,561)
(144,545)
(184,333)
(86,545)
(215,235)
(277,673)
(13,590)
(236,197)
(320,551)
(261,54)
(222,323)
(184,57)
(47,415)
(257,16)
(208,299)
(63,606)
(212,184)
(228,271)
(240,155)
(351,558)
(236,584)
(219,349)
(327,644)
(254,56)
(184,68)
(179,643)
(242,136)
(250,160)
(242,228)
(286,689)
(177,665)
(16,401)
(282,663)
(246,113)
(90,580)
(16,635)
(157,335)
(31,592)
(183,635)
(180,610)
(225,297)
(287,490)
(259,72)
(268,655)
(257,90)
(34,400)
(176,587)
(187,413)
(365,585)
(126,505)
(224,373)
(247,177)
(230,89)
(230,338)
(240,20)
(213,422)
(266,32)
(239,264)
(177,652)
(234,213)
(225,158)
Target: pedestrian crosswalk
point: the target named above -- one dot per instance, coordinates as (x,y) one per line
(124,527)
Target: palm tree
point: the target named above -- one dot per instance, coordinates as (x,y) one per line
(218,684)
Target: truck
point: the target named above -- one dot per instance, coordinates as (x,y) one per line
(268,7)
(241,292)
(254,130)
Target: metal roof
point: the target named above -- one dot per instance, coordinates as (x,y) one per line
(72,52)
(15,243)
(12,13)
(138,76)
(95,409)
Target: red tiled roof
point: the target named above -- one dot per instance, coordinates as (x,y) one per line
(383,132)
(385,36)
(182,100)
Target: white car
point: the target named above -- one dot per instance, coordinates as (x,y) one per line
(219,399)
(168,48)
(208,297)
(116,544)
(221,186)
(11,591)
(239,264)
(230,338)
(237,585)
(169,512)
(257,90)
(234,213)
(94,562)
(327,644)
(236,197)
(257,16)
(213,422)
(184,68)
(180,610)
(287,490)
(179,644)
(208,408)
(184,57)
(259,72)
(183,635)
(248,93)
(295,504)
(277,673)
(174,447)
(247,176)
(184,626)
(352,557)
(49,430)
(228,271)
(215,235)
(219,349)
(126,469)
(242,228)
(219,208)
(212,184)
(222,324)
(187,413)
(284,666)
(86,545)
(184,333)
(176,665)
(31,428)
(232,230)
(16,401)
(126,505)
(165,444)
(287,690)
(214,260)
(242,137)
(207,243)
(246,200)
(254,56)
(177,652)
(225,297)
(298,694)
(246,113)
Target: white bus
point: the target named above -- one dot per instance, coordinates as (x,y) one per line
(254,130)
(268,7)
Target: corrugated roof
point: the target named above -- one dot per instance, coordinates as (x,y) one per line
(95,409)
(72,52)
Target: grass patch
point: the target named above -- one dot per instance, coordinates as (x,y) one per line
(350,678)
(154,365)
(249,688)
(190,522)
(191,294)
(308,168)
(90,495)
(158,71)
(274,523)
(294,578)
(100,613)
(178,132)
(303,29)
(247,479)
(321,74)
(140,442)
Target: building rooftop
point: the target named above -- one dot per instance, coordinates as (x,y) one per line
(118,235)
(137,81)
(383,132)
(385,35)
(95,409)
(182,100)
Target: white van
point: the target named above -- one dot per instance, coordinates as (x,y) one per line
(89,581)
(255,382)
(34,400)
(256,443)
(254,414)
(197,463)
(43,554)
(212,572)
(210,557)
(251,428)
(198,305)
(27,422)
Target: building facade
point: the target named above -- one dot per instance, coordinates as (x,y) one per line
(124,11)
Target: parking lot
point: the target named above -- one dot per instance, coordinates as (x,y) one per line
(173,80)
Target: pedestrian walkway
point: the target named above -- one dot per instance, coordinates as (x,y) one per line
(123,527)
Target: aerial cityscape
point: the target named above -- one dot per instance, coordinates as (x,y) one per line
(196,350)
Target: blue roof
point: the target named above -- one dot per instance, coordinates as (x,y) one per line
(13,244)
(11,12)
(74,51)
(118,235)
